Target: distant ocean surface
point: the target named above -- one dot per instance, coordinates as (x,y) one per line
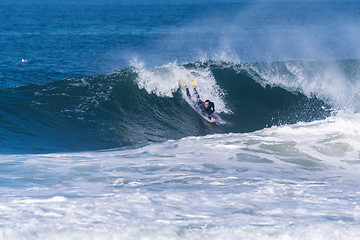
(98,139)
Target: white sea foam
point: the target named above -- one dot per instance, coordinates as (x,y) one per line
(289,182)
(323,231)
(165,80)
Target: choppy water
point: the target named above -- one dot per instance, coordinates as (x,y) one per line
(99,141)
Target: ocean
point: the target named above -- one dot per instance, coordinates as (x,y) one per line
(98,139)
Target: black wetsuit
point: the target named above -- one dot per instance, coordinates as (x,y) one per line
(201,104)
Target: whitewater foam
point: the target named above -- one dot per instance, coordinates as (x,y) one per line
(282,182)
(165,80)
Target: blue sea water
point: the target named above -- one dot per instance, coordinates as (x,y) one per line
(99,140)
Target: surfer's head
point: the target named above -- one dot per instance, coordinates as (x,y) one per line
(207,104)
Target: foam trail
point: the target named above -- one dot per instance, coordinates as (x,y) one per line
(300,177)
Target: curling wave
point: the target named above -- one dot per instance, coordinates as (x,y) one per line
(135,106)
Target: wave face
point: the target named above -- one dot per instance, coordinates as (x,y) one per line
(136,106)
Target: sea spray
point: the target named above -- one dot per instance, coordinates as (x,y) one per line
(167,79)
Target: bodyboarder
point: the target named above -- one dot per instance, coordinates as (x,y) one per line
(207,107)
